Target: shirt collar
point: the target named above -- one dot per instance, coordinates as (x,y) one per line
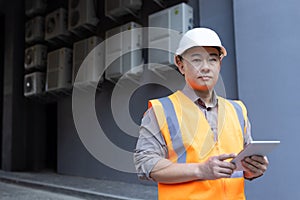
(190,93)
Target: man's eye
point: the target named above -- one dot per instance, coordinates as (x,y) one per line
(197,60)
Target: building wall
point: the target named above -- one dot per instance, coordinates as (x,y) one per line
(218,15)
(267,43)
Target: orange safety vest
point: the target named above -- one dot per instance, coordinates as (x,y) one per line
(189,139)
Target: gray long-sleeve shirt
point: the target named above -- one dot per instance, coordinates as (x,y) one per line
(151,146)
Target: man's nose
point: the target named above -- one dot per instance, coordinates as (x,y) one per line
(205,66)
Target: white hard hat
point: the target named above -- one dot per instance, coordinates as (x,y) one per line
(200,37)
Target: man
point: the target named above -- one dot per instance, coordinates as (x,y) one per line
(188,138)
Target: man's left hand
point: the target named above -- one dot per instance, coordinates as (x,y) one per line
(255,166)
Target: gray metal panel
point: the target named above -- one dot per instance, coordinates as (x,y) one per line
(267,46)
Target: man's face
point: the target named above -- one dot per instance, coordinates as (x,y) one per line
(201,67)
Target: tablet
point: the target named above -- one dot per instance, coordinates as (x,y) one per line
(261,148)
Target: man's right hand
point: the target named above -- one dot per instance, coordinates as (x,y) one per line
(217,167)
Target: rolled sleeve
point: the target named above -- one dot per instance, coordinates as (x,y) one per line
(150,147)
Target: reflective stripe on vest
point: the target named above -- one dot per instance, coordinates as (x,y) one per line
(174,129)
(239,113)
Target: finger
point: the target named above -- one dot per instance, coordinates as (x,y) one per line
(251,162)
(223,157)
(224,174)
(221,175)
(251,168)
(260,164)
(260,159)
(227,165)
(227,171)
(221,172)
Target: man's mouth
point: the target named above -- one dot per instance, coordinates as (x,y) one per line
(205,78)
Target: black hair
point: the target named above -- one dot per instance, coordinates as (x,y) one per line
(219,49)
(180,58)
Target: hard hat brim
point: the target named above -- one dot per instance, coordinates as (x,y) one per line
(180,51)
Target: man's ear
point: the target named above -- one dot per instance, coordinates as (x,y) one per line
(179,64)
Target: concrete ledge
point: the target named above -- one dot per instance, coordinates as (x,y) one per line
(86,188)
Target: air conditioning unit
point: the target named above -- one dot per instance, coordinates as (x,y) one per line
(34,30)
(82,16)
(34,83)
(59,69)
(35,7)
(118,8)
(57,27)
(123,50)
(163,43)
(87,50)
(36,57)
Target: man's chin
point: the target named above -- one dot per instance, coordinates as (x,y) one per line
(202,88)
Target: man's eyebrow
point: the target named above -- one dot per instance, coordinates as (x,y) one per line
(198,54)
(214,54)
